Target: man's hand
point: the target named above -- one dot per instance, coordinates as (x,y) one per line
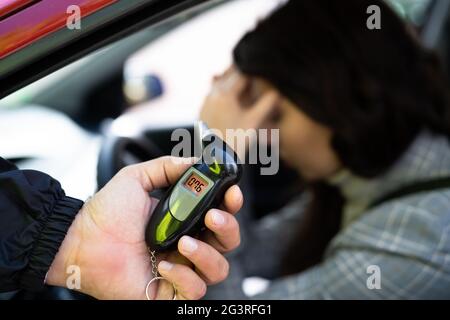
(107,242)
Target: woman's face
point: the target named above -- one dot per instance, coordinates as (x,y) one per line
(305,144)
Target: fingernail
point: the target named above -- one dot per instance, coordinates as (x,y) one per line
(188,244)
(164,265)
(217,218)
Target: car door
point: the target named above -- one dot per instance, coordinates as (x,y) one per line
(37,37)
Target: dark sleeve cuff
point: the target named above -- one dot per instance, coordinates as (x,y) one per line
(47,245)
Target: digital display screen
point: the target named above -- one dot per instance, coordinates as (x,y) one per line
(196,184)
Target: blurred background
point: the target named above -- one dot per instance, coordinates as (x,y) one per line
(120,104)
(151,82)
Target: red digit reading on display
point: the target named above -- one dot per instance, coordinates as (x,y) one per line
(195,183)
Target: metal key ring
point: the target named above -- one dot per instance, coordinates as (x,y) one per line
(159,278)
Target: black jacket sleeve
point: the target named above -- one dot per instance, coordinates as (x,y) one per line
(35,215)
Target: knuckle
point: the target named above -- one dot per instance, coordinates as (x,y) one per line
(232,245)
(230,224)
(125,171)
(167,158)
(199,292)
(233,224)
(233,234)
(225,269)
(237,243)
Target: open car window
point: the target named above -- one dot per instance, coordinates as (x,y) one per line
(414,11)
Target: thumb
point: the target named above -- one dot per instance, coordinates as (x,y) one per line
(160,172)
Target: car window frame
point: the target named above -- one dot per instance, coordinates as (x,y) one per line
(52,53)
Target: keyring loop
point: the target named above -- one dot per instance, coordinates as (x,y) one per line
(159,278)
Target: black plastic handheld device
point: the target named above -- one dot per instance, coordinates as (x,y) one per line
(181,211)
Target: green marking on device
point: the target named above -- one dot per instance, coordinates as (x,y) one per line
(216,169)
(166,227)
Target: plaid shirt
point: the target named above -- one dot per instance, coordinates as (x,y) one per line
(406,239)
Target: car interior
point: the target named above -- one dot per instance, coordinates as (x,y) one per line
(120,104)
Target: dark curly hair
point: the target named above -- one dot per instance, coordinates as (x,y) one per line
(375,89)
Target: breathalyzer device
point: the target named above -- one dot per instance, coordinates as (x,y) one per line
(181,211)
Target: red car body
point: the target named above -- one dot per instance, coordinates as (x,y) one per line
(23,22)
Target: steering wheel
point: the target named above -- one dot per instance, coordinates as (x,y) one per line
(117,152)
